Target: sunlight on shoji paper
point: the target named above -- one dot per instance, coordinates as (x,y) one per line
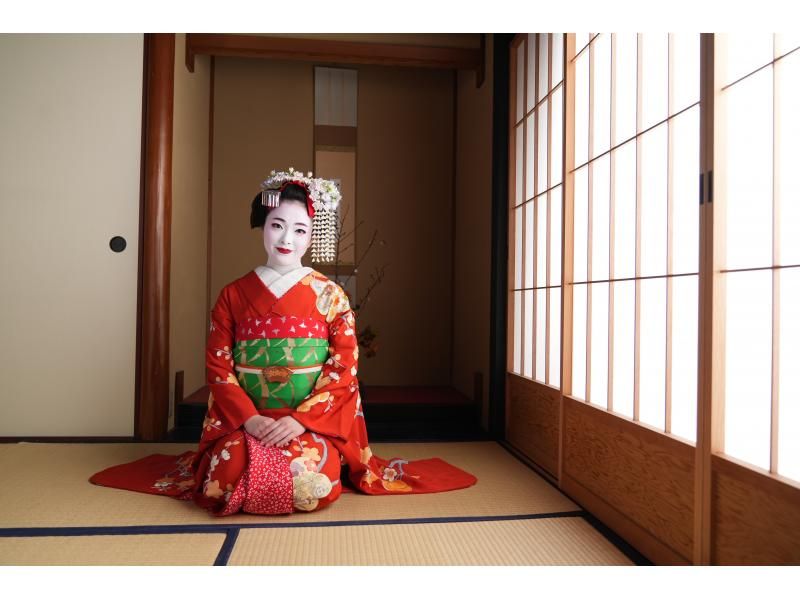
(555,337)
(684,182)
(527,366)
(558,59)
(579,341)
(581,39)
(541,323)
(748,366)
(601,93)
(624,86)
(556,145)
(599,359)
(748,170)
(684,357)
(517,332)
(685,70)
(520,81)
(654,78)
(541,240)
(789,378)
(653,204)
(528,207)
(624,159)
(787,73)
(581,224)
(622,372)
(530,155)
(542,138)
(544,65)
(555,236)
(743,52)
(786,42)
(518,221)
(600,217)
(652,351)
(519,163)
(581,108)
(531,89)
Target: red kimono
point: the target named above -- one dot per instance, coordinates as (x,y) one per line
(289,348)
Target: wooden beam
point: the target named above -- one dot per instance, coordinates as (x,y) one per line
(329,51)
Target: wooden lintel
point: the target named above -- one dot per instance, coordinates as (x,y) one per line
(331,51)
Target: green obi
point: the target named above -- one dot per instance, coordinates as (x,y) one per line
(279,372)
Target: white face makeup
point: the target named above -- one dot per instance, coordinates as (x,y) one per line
(287,227)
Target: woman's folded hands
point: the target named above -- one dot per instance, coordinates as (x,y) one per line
(274,432)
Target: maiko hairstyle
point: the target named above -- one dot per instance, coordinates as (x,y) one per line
(258,212)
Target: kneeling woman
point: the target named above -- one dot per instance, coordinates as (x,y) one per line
(284,419)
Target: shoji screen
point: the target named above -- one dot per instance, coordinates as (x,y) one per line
(758,196)
(635,273)
(536,208)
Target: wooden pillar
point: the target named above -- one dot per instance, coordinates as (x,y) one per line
(152,392)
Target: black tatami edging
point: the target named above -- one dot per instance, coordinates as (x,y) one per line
(206,528)
(231,531)
(227,547)
(629,551)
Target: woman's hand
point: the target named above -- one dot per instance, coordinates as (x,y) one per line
(281,431)
(258,425)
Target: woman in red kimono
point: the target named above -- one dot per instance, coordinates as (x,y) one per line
(284,418)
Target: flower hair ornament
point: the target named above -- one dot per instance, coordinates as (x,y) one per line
(322,197)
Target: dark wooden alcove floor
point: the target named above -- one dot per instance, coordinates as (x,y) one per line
(392,413)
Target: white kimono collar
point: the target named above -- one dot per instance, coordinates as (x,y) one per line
(278,283)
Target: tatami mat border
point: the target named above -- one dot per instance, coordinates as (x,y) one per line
(232,530)
(227,547)
(22,532)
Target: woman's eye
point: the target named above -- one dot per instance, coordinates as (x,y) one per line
(274,224)
(300,230)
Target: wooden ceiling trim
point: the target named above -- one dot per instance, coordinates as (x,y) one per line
(339,52)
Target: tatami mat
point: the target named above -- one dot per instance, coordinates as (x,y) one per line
(553,541)
(161,549)
(46,485)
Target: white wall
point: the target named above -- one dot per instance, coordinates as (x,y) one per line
(70,116)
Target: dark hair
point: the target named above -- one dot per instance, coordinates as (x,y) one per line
(258,213)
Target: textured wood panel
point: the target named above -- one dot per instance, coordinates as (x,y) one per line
(533,420)
(645,475)
(755,517)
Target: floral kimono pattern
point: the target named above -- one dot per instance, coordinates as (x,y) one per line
(294,353)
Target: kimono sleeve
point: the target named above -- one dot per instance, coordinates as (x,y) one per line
(331,407)
(229,405)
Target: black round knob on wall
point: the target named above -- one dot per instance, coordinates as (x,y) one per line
(118,244)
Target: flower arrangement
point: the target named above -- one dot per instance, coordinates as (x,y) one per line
(366,336)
